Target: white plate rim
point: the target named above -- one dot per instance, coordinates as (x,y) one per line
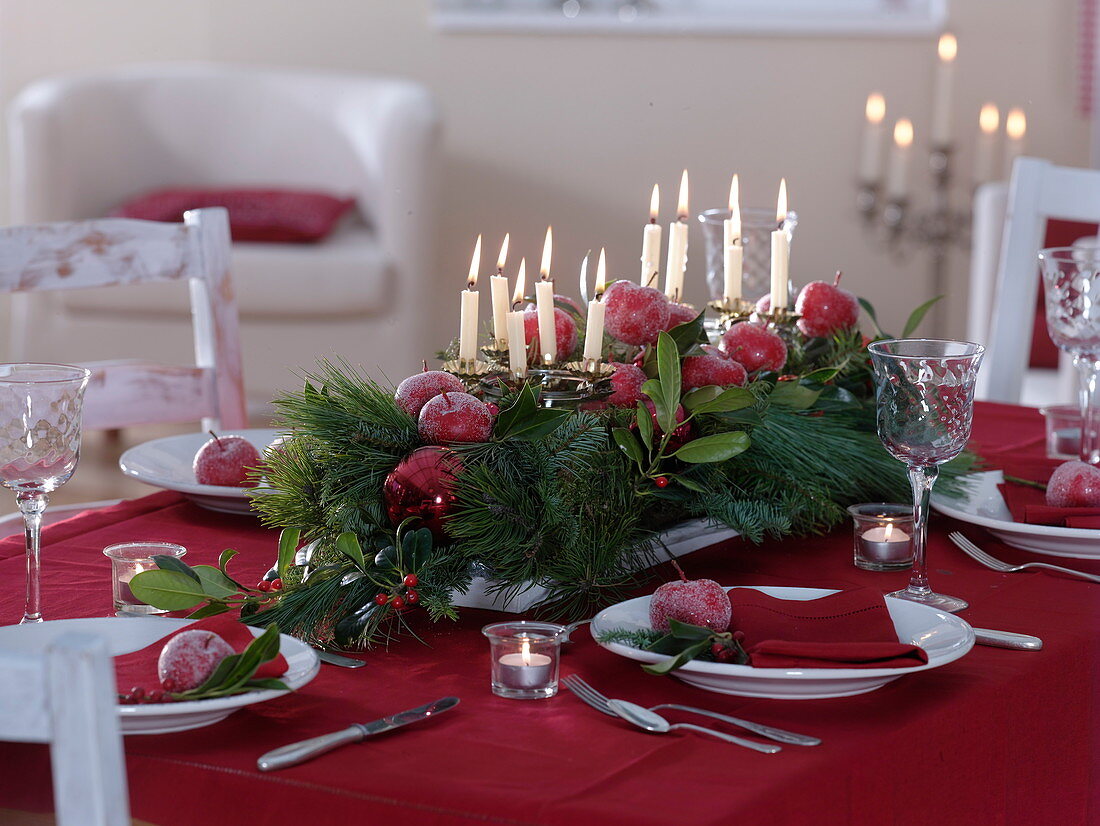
(748,672)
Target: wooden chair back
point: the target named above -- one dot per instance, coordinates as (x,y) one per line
(117,251)
(65,696)
(1038,191)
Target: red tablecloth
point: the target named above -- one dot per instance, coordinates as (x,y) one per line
(998,737)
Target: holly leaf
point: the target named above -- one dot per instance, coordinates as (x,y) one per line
(628,444)
(700,395)
(870,310)
(917,316)
(214,583)
(211,609)
(716,448)
(686,631)
(793,395)
(541,423)
(524,405)
(689,334)
(656,394)
(347,543)
(728,400)
(168,590)
(417,546)
(172,563)
(645,426)
(821,376)
(688,483)
(685,656)
(288,545)
(668,371)
(223,560)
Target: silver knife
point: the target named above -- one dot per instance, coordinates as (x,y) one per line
(1007,639)
(338,659)
(296,753)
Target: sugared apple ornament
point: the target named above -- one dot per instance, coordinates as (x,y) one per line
(713,367)
(626,382)
(826,309)
(695,601)
(225,460)
(565,329)
(1074,485)
(415,391)
(455,417)
(755,346)
(634,314)
(189,658)
(680,314)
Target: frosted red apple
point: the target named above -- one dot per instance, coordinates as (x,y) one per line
(826,309)
(755,346)
(694,601)
(680,314)
(626,382)
(713,367)
(1074,485)
(225,461)
(189,658)
(455,417)
(634,314)
(415,391)
(565,329)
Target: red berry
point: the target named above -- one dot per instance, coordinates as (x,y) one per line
(455,417)
(137,692)
(415,391)
(717,648)
(381,599)
(263,585)
(169,684)
(412,597)
(635,314)
(276,585)
(398,602)
(412,580)
(661,481)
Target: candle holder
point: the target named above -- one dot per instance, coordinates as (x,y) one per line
(883,536)
(523,658)
(731,312)
(471,371)
(1063,428)
(568,387)
(128,559)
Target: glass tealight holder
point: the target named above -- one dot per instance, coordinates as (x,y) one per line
(883,535)
(523,658)
(1063,431)
(128,559)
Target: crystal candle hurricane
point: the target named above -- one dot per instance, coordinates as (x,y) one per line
(523,658)
(924,389)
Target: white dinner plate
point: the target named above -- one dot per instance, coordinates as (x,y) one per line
(126,634)
(944,638)
(167,463)
(982,504)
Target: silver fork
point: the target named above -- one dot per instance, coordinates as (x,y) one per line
(585,693)
(770,732)
(978,555)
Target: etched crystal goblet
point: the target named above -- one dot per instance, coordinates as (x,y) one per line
(40,410)
(1071,276)
(924,389)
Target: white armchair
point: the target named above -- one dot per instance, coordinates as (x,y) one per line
(81,145)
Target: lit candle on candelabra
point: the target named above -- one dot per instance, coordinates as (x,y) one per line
(517,336)
(985,153)
(651,243)
(499,288)
(678,246)
(593,332)
(781,251)
(947,48)
(870,168)
(897,182)
(467,330)
(1015,128)
(544,300)
(731,245)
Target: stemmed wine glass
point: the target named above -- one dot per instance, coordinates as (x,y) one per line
(925,394)
(1071,276)
(40,407)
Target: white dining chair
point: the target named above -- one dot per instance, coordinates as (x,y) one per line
(1038,191)
(65,696)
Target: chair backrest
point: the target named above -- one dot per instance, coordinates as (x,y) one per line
(66,697)
(990,203)
(1037,192)
(117,251)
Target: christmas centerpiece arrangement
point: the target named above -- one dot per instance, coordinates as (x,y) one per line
(553,451)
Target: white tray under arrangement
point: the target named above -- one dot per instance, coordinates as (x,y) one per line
(681,539)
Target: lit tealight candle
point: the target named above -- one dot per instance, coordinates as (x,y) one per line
(1016,129)
(544,300)
(499,287)
(467,331)
(733,259)
(870,167)
(947,48)
(524,669)
(651,243)
(781,252)
(885,543)
(897,182)
(593,333)
(676,262)
(517,336)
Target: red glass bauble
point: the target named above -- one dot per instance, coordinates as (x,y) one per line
(423,485)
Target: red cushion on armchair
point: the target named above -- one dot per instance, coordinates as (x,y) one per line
(272,215)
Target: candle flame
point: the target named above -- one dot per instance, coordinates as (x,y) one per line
(735,207)
(475,265)
(525,652)
(888,532)
(654,204)
(682,205)
(989,118)
(502,259)
(601,274)
(876,107)
(521,278)
(903,132)
(1016,124)
(948,47)
(781,207)
(547,252)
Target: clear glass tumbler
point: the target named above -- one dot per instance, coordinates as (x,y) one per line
(757,226)
(128,559)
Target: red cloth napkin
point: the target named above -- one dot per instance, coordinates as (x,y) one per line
(848,629)
(1029,505)
(139,668)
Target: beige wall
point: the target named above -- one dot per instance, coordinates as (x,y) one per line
(575,130)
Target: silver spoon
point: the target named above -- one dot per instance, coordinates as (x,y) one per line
(648,720)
